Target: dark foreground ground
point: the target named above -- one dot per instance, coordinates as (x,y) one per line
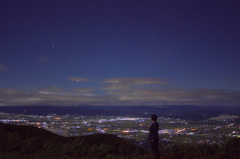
(28,142)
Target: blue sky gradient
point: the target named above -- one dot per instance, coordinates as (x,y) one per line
(119,52)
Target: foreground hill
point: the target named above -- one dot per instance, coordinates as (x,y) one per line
(29,142)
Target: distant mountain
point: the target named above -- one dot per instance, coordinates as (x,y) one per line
(183,112)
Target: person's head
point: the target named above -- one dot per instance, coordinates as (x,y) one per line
(154,117)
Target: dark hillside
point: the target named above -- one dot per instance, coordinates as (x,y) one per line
(26,131)
(28,142)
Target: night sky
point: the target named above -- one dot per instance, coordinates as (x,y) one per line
(119,52)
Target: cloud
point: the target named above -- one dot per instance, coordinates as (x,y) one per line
(42,59)
(146,91)
(83,90)
(126,84)
(3,68)
(135,81)
(134,97)
(52,88)
(10,92)
(120,92)
(79,79)
(182,97)
(51,98)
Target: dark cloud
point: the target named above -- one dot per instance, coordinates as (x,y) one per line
(42,59)
(3,68)
(83,90)
(53,88)
(201,97)
(79,79)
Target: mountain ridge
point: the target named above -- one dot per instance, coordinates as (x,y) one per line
(183,112)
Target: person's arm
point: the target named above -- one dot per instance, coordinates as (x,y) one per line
(155,132)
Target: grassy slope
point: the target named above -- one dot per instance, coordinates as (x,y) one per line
(28,142)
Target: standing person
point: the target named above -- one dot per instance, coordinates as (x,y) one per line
(153,136)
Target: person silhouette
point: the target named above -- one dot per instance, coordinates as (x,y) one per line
(153,136)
